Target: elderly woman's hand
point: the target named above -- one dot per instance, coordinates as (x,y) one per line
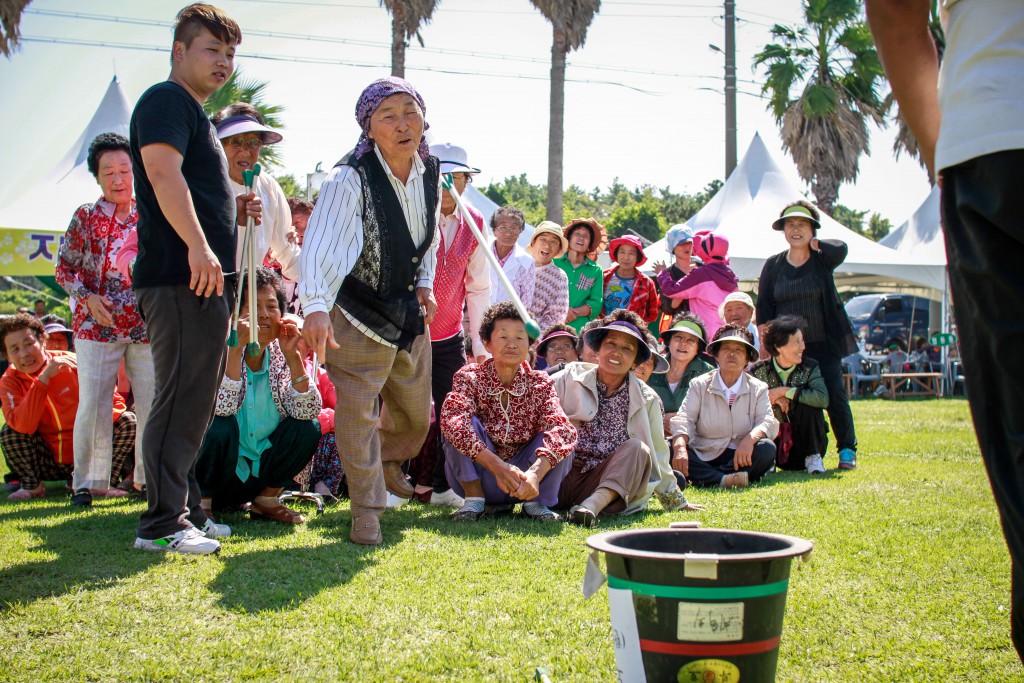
(529,488)
(102,309)
(680,457)
(744,456)
(288,337)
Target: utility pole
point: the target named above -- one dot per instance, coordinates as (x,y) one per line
(730,87)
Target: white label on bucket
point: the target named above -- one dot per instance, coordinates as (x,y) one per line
(698,566)
(625,637)
(710,622)
(593,577)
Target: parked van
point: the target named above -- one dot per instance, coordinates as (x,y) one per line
(877,318)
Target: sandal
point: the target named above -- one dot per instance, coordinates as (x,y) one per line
(28,494)
(277,513)
(582,516)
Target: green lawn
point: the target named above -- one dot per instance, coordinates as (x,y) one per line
(909,581)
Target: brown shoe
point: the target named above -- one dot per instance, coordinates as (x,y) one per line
(366,530)
(395,481)
(737,480)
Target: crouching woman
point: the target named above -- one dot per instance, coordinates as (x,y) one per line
(506,437)
(621,456)
(265,429)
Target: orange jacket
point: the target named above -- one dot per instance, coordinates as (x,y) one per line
(31,407)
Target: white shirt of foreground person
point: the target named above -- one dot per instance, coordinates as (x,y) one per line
(334,236)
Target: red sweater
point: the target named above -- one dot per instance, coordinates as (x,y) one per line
(31,407)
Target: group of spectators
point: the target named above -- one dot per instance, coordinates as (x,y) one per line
(352,375)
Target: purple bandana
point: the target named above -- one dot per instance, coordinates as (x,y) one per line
(370,99)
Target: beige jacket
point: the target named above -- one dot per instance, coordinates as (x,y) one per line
(576,387)
(708,423)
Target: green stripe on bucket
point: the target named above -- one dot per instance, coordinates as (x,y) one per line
(701,593)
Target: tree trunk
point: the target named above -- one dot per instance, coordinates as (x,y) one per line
(398,43)
(826,194)
(559,48)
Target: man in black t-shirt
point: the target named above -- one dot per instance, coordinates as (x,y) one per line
(187,218)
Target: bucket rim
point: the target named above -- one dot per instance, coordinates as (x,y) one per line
(604,542)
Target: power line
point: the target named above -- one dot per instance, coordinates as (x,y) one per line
(334,62)
(373,44)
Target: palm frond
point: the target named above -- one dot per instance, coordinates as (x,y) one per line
(10,22)
(573,17)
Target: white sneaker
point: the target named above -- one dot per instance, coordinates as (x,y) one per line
(394,501)
(191,541)
(814,464)
(213,530)
(449,498)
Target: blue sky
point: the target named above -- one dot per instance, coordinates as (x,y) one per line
(643,104)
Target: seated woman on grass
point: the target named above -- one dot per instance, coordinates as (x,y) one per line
(685,342)
(506,437)
(265,429)
(798,395)
(621,457)
(557,347)
(722,434)
(39,392)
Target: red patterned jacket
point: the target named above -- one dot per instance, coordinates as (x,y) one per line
(644,301)
(533,408)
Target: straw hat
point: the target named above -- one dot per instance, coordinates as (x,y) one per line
(599,236)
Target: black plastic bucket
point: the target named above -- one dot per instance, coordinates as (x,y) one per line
(697,605)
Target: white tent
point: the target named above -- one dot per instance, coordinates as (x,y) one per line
(745,207)
(31,227)
(921,236)
(49,204)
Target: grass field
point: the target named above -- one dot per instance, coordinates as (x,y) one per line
(909,581)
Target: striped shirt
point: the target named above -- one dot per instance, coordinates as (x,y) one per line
(334,236)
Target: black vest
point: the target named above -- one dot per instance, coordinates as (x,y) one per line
(380,291)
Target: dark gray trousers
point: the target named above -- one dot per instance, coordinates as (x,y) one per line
(187,334)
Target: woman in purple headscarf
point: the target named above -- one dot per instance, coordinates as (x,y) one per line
(367,266)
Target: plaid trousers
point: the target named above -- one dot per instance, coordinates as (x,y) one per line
(28,456)
(363,369)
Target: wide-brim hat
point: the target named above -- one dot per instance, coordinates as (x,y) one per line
(549,228)
(244,123)
(795,211)
(631,240)
(598,235)
(741,297)
(734,336)
(53,328)
(542,347)
(452,157)
(687,327)
(593,338)
(661,365)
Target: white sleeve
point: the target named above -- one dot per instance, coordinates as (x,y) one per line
(286,253)
(333,240)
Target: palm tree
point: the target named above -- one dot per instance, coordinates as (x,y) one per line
(241,89)
(833,64)
(570,20)
(10,19)
(406,18)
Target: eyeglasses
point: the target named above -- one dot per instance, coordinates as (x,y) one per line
(238,143)
(508,230)
(561,346)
